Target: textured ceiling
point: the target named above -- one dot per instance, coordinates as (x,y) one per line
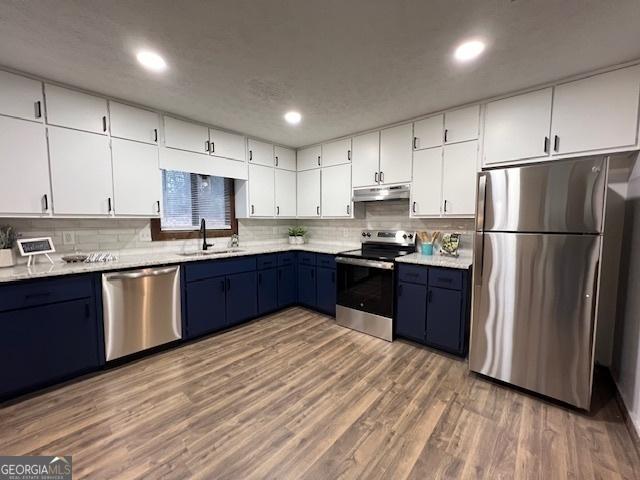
(346,65)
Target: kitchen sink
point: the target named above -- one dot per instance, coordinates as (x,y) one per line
(207,253)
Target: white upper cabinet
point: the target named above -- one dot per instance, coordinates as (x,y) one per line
(460,168)
(308,195)
(227,145)
(309,158)
(21,97)
(517,127)
(596,113)
(462,125)
(80,172)
(428,133)
(365,159)
(186,136)
(396,154)
(261,191)
(336,191)
(133,123)
(285,193)
(285,158)
(68,108)
(136,178)
(335,153)
(24,168)
(426,189)
(261,153)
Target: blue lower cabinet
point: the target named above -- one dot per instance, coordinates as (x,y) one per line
(326,290)
(287,286)
(444,311)
(411,312)
(242,297)
(307,285)
(206,306)
(267,290)
(44,344)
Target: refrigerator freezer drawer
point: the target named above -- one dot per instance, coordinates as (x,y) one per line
(534,311)
(555,197)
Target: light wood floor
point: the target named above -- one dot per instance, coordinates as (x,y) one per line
(295,396)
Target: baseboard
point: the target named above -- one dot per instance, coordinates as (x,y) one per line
(632,427)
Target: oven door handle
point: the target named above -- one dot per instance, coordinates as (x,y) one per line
(361,262)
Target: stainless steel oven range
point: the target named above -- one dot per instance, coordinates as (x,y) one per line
(365,297)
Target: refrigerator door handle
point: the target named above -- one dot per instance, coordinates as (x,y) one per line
(482,195)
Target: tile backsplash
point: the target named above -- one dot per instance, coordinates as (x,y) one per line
(122,235)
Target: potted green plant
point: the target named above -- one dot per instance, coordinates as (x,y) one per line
(296,235)
(7,239)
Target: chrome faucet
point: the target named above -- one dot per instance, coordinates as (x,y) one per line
(203,231)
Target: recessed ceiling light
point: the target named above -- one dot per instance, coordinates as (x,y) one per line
(152,61)
(469,50)
(293,117)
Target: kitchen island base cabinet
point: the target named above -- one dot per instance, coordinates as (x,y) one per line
(433,307)
(47,333)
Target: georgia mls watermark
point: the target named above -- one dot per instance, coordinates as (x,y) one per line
(35,468)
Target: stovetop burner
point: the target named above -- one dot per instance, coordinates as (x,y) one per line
(384,245)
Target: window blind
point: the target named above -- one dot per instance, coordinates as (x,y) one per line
(189,197)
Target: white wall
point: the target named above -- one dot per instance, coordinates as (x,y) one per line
(626,357)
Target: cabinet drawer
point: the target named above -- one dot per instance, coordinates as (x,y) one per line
(267,261)
(327,261)
(200,270)
(43,292)
(445,278)
(288,258)
(413,274)
(306,258)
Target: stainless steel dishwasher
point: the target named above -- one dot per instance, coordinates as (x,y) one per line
(141,309)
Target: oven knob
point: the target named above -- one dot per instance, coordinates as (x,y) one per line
(404,236)
(410,236)
(368,234)
(364,234)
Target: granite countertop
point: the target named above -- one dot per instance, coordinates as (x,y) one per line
(148,259)
(464,261)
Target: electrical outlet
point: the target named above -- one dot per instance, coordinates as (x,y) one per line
(144,235)
(69,238)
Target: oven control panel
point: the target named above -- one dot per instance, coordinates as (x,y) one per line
(397,237)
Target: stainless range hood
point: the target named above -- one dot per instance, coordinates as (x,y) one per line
(376,194)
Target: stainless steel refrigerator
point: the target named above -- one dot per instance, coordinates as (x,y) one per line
(536,264)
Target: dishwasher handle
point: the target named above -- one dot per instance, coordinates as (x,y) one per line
(147,272)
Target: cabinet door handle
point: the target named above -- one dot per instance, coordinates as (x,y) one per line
(318,210)
(349,155)
(445,206)
(446,134)
(279,273)
(38,107)
(430,296)
(213,147)
(45,198)
(400,290)
(250,155)
(104,123)
(206,146)
(276,160)
(415,142)
(318,160)
(253,209)
(278,210)
(260,279)
(228,284)
(381,177)
(376,177)
(109,204)
(157,206)
(546,144)
(556,143)
(155,134)
(413,207)
(348,209)
(222,283)
(87,310)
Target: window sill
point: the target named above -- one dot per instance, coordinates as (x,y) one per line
(157,234)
